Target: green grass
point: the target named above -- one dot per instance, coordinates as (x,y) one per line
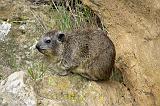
(36,71)
(69,17)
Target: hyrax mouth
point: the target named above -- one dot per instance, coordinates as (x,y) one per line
(46,52)
(40,49)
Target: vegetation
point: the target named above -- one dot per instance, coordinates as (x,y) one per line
(37,70)
(73,14)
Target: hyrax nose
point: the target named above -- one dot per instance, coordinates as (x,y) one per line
(38,46)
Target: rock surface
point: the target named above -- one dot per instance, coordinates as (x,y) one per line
(134,27)
(53,90)
(76,91)
(15,92)
(4,30)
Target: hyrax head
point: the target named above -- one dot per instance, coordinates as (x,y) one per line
(50,43)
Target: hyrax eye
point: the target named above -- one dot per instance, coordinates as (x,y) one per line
(48,41)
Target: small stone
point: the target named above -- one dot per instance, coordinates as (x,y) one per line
(4,30)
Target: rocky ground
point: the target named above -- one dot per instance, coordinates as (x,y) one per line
(26,78)
(28,22)
(22,23)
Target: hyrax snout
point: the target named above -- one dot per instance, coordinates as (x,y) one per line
(87,52)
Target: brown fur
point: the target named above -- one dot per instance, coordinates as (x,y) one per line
(87,52)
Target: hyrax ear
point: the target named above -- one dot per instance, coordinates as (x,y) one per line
(61,37)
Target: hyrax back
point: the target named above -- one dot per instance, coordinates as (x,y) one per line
(89,52)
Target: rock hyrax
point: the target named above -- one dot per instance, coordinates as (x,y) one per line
(88,52)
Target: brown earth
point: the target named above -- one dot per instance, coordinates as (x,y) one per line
(134,27)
